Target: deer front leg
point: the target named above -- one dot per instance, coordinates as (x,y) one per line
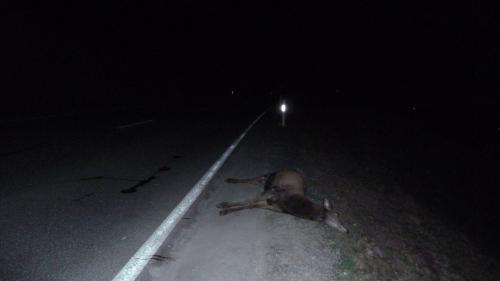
(262,196)
(254,204)
(228,207)
(263,201)
(226,211)
(224,205)
(264,204)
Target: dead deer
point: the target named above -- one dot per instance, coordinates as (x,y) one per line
(284,192)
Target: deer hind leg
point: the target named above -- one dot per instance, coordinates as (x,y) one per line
(260,180)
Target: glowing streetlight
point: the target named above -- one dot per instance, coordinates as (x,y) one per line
(283,110)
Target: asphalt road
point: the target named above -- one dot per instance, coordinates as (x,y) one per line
(80,194)
(64,216)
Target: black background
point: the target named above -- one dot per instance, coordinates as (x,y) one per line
(90,53)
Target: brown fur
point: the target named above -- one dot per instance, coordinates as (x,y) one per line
(284,192)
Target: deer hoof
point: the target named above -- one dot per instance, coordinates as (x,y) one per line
(222,205)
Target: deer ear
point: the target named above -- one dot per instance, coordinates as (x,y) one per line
(327,205)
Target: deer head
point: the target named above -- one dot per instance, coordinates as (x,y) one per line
(331,217)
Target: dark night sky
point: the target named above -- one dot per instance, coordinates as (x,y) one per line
(94,52)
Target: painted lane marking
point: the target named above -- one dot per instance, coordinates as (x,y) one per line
(134,124)
(139,260)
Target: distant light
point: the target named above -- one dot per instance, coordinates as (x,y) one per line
(283,108)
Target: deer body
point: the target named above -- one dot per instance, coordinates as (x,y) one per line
(284,191)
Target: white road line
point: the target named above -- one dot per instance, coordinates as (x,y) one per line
(140,259)
(134,124)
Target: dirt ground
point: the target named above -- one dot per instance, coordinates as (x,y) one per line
(378,169)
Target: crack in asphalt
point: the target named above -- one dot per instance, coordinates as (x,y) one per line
(145,181)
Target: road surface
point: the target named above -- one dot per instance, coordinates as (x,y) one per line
(64,215)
